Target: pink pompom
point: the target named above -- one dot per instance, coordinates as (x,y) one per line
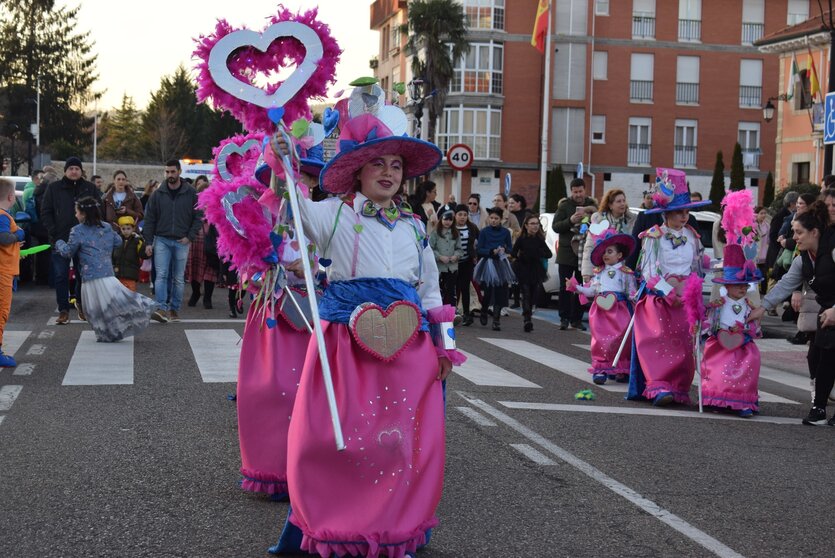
(693,301)
(738,219)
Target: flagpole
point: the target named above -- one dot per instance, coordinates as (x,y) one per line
(546,110)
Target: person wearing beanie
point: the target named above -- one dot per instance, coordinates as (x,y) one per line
(58,216)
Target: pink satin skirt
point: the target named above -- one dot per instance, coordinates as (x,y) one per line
(730,378)
(607,330)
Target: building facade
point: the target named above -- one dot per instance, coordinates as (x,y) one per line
(798,108)
(635,84)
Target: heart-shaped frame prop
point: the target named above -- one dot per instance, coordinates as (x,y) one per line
(230,149)
(730,341)
(606,302)
(385,333)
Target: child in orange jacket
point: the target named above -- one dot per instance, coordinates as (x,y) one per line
(10,238)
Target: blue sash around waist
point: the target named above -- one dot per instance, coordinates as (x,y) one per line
(342,297)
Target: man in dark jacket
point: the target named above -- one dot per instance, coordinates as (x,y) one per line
(171,223)
(57,213)
(567,221)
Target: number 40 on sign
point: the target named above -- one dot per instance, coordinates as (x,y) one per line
(460,156)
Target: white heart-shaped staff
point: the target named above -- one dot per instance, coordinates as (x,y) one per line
(224,79)
(232,149)
(599,228)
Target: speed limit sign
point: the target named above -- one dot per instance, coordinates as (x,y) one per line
(460,156)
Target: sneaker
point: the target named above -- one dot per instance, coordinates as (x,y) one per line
(482,317)
(579,326)
(172,316)
(159,316)
(563,325)
(468,321)
(497,326)
(505,312)
(599,379)
(816,416)
(80,310)
(663,399)
(800,338)
(746,413)
(63,318)
(7,361)
(528,327)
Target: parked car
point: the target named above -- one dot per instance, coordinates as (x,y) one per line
(705,220)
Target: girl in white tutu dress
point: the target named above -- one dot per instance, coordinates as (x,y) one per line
(114,311)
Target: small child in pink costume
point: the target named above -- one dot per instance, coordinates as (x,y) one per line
(611,288)
(731,363)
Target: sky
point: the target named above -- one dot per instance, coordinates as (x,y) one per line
(138,43)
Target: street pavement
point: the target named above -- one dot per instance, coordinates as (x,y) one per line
(130,449)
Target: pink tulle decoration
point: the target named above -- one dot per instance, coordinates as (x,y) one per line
(694,305)
(243,253)
(738,219)
(245,64)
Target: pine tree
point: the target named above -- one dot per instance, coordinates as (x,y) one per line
(737,170)
(768,191)
(555,189)
(717,183)
(118,133)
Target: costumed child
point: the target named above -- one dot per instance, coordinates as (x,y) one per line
(379,494)
(663,366)
(445,243)
(10,238)
(731,363)
(114,311)
(493,272)
(528,254)
(611,288)
(128,256)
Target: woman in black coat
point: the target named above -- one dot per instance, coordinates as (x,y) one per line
(816,241)
(529,251)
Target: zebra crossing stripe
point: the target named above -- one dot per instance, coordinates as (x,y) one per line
(217,352)
(8,395)
(13,340)
(483,373)
(96,364)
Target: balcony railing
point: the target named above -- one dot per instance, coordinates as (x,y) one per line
(687,93)
(643,26)
(638,154)
(640,91)
(689,30)
(751,157)
(750,96)
(685,156)
(751,32)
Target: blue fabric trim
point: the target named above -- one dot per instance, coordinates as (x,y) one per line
(5,223)
(341,298)
(290,540)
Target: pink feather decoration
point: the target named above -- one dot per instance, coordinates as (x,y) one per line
(244,253)
(236,164)
(738,219)
(245,64)
(693,301)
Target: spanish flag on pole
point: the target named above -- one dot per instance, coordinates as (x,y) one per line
(814,84)
(540,26)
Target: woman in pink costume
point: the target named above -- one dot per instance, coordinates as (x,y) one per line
(611,287)
(378,496)
(731,362)
(663,364)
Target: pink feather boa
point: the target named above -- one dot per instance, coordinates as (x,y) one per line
(247,63)
(238,165)
(738,219)
(694,305)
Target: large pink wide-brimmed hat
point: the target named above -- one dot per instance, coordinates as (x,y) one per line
(672,192)
(366,137)
(370,128)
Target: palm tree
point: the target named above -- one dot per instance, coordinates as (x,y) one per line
(439,27)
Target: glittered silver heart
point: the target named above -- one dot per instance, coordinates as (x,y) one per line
(219,56)
(233,149)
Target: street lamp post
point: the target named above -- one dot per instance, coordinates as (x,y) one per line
(768,109)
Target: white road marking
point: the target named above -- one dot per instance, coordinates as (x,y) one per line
(241,320)
(786,378)
(217,352)
(8,394)
(556,361)
(534,455)
(586,347)
(13,340)
(46,334)
(100,364)
(780,345)
(483,373)
(475,416)
(642,410)
(36,350)
(665,516)
(24,369)
(1,419)
(579,369)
